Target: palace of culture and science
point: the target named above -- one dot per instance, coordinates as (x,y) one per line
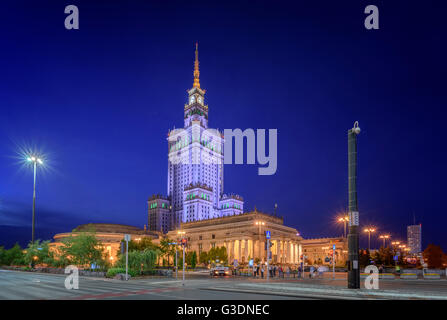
(195,170)
(197,205)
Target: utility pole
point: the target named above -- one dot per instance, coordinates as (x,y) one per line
(127,239)
(353,236)
(183,280)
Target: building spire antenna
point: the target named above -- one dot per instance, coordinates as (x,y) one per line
(196,68)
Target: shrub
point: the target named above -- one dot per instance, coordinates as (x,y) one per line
(114,271)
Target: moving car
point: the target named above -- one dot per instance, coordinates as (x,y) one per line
(220,270)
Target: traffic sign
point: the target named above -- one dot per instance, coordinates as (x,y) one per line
(127,237)
(267,234)
(396,258)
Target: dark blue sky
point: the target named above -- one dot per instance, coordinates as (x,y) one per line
(99,101)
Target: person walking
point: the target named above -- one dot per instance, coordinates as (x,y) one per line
(288,271)
(274,271)
(299,272)
(262,271)
(311,273)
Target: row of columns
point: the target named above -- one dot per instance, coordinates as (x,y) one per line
(283,251)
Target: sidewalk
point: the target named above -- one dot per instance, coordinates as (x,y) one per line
(335,292)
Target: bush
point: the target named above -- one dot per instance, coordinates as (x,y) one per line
(114,271)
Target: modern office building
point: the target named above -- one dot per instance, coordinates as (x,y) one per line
(414,238)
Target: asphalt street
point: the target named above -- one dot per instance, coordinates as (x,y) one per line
(200,286)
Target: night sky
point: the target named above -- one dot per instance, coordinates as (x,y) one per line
(99,101)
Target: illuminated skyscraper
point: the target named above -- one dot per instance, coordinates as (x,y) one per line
(195,167)
(414,238)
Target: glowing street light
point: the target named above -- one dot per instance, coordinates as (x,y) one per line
(183,242)
(369,231)
(384,237)
(344,219)
(35,160)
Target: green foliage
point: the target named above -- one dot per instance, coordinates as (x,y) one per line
(139,245)
(83,249)
(203,257)
(114,271)
(14,256)
(218,253)
(39,252)
(2,255)
(138,261)
(193,260)
(166,250)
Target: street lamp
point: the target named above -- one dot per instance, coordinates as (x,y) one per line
(35,160)
(384,237)
(369,231)
(182,234)
(344,219)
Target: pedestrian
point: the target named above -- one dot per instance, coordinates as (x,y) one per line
(397,269)
(381,269)
(262,271)
(320,271)
(288,271)
(274,271)
(311,273)
(299,272)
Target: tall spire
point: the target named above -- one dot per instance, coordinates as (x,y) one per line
(196,68)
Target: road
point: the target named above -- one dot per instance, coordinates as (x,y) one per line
(199,286)
(26,285)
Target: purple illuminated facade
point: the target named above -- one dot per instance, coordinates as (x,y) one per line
(195,170)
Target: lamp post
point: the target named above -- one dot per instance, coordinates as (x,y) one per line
(384,237)
(344,219)
(35,160)
(182,234)
(353,236)
(369,231)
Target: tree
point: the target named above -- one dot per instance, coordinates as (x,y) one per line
(83,249)
(193,260)
(364,258)
(434,256)
(139,245)
(14,256)
(139,261)
(218,253)
(38,252)
(203,257)
(167,249)
(2,255)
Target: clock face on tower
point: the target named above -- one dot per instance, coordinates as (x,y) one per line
(199,99)
(192,99)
